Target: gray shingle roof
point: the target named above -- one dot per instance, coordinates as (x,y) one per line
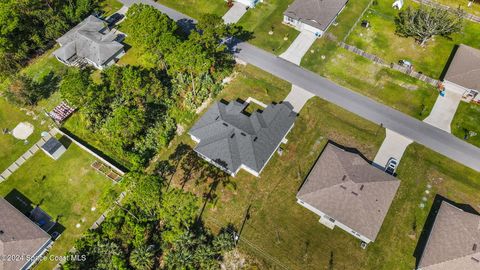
(18,236)
(231,138)
(464,69)
(347,188)
(316,13)
(90,39)
(454,242)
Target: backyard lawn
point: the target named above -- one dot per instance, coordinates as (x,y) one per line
(266,17)
(196,8)
(380,39)
(110,6)
(466,123)
(12,148)
(280,234)
(66,189)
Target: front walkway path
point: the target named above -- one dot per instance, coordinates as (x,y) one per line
(298,97)
(444,110)
(393,146)
(30,152)
(235,13)
(299,47)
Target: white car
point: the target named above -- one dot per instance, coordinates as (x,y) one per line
(391,166)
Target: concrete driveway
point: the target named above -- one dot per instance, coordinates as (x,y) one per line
(393,146)
(234,14)
(444,110)
(299,47)
(298,97)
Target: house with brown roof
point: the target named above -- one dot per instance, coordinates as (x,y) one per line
(463,74)
(454,241)
(314,16)
(22,242)
(348,192)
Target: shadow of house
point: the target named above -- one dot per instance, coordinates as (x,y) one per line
(34,212)
(430,221)
(449,61)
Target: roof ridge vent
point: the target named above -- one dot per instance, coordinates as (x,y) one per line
(354,193)
(476,260)
(474,247)
(344,177)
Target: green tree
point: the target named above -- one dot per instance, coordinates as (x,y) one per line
(23,91)
(425,22)
(177,211)
(142,258)
(74,86)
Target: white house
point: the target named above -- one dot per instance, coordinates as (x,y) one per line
(463,74)
(349,193)
(232,139)
(315,16)
(90,42)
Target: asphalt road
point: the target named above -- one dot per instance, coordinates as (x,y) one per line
(420,132)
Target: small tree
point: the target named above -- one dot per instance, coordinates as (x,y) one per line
(23,91)
(425,22)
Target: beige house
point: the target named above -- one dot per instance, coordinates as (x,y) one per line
(314,16)
(347,192)
(454,241)
(463,74)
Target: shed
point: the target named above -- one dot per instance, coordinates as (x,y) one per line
(53,148)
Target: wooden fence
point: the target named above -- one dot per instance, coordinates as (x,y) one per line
(409,71)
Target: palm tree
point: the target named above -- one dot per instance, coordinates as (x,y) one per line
(142,258)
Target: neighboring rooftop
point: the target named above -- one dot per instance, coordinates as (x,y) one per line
(316,13)
(231,138)
(454,241)
(18,236)
(90,39)
(347,188)
(464,69)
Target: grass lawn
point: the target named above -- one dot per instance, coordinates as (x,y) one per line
(380,39)
(65,189)
(196,8)
(279,233)
(12,148)
(463,4)
(385,85)
(110,6)
(466,120)
(266,17)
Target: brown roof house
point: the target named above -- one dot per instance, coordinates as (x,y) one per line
(22,242)
(463,74)
(454,241)
(313,15)
(346,191)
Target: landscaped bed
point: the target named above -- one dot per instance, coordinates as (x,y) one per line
(66,189)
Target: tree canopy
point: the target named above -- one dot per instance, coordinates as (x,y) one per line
(425,22)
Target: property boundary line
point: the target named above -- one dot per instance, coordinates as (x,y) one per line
(468,16)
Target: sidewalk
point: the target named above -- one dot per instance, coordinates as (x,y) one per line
(235,13)
(29,153)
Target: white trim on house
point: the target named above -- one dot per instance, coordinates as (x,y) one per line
(300,26)
(330,222)
(453,87)
(242,166)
